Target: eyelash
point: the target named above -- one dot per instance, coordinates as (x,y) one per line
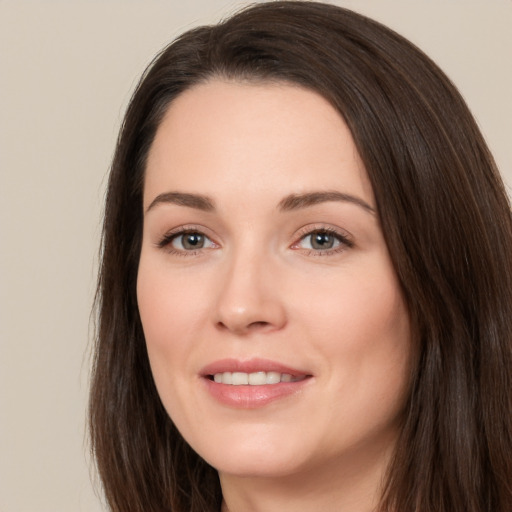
(344,241)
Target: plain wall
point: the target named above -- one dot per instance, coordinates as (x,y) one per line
(67,70)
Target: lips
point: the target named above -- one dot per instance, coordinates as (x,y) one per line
(253,383)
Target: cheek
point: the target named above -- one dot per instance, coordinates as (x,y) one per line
(168,312)
(168,302)
(358,309)
(361,327)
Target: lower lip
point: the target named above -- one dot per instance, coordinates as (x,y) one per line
(252,397)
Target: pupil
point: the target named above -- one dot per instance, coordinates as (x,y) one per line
(193,241)
(322,241)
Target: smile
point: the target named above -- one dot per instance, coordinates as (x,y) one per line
(254,379)
(253,383)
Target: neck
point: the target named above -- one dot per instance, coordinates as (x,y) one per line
(352,485)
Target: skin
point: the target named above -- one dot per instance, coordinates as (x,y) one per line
(259,288)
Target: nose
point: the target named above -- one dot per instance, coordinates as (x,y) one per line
(249,299)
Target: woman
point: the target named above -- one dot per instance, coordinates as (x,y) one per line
(305,290)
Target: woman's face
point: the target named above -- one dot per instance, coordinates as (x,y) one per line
(275,326)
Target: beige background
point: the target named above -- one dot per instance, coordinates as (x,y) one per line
(66,72)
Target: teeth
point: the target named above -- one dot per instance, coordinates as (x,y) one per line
(239,378)
(257,379)
(273,377)
(254,379)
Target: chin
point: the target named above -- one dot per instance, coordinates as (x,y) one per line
(262,465)
(253,453)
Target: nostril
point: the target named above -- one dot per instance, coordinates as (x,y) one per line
(222,325)
(252,326)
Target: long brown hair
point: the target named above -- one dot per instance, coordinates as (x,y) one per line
(447,224)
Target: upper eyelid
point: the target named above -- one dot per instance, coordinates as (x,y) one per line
(187,228)
(171,234)
(315,228)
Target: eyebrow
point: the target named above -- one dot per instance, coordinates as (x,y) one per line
(289,203)
(299,201)
(196,201)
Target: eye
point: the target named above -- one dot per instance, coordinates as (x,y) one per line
(320,241)
(189,241)
(186,241)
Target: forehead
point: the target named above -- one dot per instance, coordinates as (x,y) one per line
(228,135)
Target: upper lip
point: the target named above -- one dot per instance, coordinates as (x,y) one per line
(250,366)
